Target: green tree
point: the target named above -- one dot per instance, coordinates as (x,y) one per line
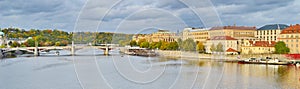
(220,47)
(200,47)
(173,46)
(280,48)
(30,43)
(179,41)
(133,43)
(189,45)
(15,44)
(144,45)
(213,48)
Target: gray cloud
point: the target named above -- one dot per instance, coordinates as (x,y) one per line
(167,14)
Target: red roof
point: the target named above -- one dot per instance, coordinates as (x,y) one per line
(234,27)
(231,50)
(291,29)
(222,38)
(263,43)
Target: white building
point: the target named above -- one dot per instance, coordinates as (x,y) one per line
(270,32)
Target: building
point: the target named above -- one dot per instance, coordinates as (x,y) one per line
(163,35)
(198,34)
(2,38)
(138,37)
(240,33)
(229,44)
(270,32)
(258,47)
(160,35)
(290,36)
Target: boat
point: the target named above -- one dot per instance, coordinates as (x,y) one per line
(267,61)
(297,65)
(137,51)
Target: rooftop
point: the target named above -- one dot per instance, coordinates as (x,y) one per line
(231,50)
(274,27)
(263,43)
(234,27)
(291,29)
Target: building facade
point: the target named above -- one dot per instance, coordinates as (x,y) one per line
(198,34)
(270,32)
(291,38)
(227,42)
(160,35)
(240,33)
(258,47)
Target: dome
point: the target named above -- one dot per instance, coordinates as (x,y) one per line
(274,27)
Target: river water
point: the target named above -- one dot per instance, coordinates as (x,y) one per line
(87,71)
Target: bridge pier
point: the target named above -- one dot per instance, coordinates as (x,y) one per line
(106,51)
(36,51)
(72,48)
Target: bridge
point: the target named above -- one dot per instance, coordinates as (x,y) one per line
(72,48)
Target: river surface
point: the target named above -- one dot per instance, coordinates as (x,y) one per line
(89,71)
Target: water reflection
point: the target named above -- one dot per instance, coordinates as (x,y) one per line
(203,73)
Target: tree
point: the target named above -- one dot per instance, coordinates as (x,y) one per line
(133,43)
(173,46)
(164,45)
(15,44)
(189,45)
(220,47)
(144,45)
(280,48)
(57,43)
(212,48)
(141,41)
(179,41)
(200,47)
(30,43)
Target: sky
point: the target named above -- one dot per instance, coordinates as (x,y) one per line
(142,16)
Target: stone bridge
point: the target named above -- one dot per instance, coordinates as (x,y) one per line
(72,48)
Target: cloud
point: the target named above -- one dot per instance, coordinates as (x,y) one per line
(132,15)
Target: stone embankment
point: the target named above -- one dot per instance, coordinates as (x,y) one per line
(195,55)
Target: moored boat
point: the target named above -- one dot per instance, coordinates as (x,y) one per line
(267,61)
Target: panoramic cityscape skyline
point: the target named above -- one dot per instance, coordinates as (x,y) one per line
(134,16)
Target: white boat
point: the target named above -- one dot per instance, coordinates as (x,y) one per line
(263,61)
(298,65)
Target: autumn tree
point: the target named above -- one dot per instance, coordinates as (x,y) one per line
(200,47)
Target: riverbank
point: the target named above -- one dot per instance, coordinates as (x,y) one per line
(215,56)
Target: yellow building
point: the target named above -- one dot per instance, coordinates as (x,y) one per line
(237,32)
(240,33)
(199,35)
(270,32)
(291,38)
(163,35)
(258,47)
(229,44)
(160,35)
